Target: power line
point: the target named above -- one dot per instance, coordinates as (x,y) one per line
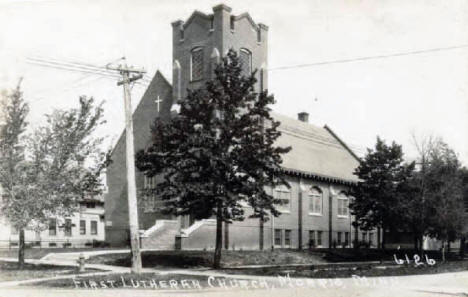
(341,61)
(64,66)
(75,69)
(69,63)
(81,67)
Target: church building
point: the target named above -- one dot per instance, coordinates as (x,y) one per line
(319,166)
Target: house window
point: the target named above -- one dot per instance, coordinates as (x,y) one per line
(278,239)
(343,205)
(312,240)
(52,227)
(371,237)
(339,238)
(287,238)
(246,62)
(346,238)
(315,201)
(82,227)
(93,227)
(364,236)
(232,23)
(319,238)
(149,182)
(68,227)
(282,193)
(197,64)
(90,205)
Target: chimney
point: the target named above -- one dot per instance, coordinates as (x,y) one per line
(303,117)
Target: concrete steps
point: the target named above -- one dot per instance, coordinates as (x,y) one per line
(161,236)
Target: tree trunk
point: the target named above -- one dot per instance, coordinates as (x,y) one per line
(415,242)
(356,237)
(462,247)
(379,242)
(262,230)
(219,238)
(226,235)
(443,250)
(384,235)
(421,248)
(21,249)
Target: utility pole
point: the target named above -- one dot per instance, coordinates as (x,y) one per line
(126,71)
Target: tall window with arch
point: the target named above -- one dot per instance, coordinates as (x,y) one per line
(196,64)
(284,194)
(343,205)
(315,201)
(149,184)
(245,57)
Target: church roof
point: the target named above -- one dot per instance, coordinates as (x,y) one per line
(315,151)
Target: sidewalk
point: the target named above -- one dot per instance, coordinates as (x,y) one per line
(109,268)
(436,284)
(444,283)
(75,255)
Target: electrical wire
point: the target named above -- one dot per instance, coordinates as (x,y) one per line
(366,58)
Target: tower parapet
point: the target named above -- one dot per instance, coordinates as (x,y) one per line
(197,41)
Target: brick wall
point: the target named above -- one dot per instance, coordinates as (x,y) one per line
(116,205)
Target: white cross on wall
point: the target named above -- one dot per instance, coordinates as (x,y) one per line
(157,101)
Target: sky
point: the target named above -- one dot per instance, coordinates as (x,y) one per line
(418,86)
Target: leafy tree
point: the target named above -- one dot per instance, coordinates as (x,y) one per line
(440,192)
(48,173)
(464,177)
(378,194)
(218,152)
(14,174)
(435,199)
(412,217)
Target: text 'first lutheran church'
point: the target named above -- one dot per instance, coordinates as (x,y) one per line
(319,167)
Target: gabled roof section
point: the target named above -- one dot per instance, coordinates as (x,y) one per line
(315,152)
(342,143)
(248,17)
(195,14)
(145,112)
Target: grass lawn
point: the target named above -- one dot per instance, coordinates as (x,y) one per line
(147,281)
(9,271)
(37,253)
(198,259)
(348,270)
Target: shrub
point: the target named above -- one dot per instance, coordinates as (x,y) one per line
(311,244)
(100,244)
(364,244)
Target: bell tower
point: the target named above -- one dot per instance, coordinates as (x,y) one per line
(201,42)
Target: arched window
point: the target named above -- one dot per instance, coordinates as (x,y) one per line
(245,58)
(343,205)
(196,64)
(149,182)
(315,201)
(284,194)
